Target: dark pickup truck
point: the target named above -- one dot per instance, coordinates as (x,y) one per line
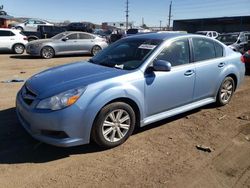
(43,32)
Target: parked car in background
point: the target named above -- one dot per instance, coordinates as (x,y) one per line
(79,26)
(44,32)
(103,33)
(237,41)
(13,40)
(212,34)
(134,31)
(134,82)
(31,24)
(66,43)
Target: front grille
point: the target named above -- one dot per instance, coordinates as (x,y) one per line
(28,95)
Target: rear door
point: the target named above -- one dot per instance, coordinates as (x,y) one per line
(7,39)
(85,42)
(209,63)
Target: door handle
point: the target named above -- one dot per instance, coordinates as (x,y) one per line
(189,73)
(221,65)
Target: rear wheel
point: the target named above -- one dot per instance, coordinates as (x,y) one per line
(226,91)
(18,48)
(95,50)
(47,52)
(113,125)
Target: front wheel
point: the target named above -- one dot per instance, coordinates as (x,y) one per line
(18,48)
(226,91)
(113,125)
(47,52)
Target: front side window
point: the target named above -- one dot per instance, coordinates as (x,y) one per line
(72,36)
(127,54)
(203,49)
(177,53)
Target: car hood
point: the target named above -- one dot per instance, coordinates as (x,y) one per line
(63,78)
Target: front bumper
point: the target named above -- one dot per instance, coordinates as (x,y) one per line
(62,128)
(31,50)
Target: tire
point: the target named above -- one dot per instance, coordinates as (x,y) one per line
(119,124)
(47,52)
(226,91)
(95,50)
(18,48)
(19,28)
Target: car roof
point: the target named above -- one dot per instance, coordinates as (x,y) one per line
(157,36)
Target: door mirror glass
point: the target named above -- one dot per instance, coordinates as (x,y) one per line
(161,65)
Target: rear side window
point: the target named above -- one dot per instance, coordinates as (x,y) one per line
(203,49)
(177,53)
(218,49)
(72,36)
(85,36)
(6,33)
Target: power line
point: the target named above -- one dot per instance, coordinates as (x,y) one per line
(170,14)
(127,11)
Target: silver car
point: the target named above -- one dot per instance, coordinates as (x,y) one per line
(67,43)
(31,24)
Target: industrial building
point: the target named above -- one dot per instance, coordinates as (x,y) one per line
(220,24)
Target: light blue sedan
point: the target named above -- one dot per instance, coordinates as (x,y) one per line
(134,82)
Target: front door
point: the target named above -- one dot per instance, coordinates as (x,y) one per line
(168,90)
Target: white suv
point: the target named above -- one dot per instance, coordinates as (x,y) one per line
(12,39)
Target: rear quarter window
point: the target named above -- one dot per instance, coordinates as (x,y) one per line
(219,50)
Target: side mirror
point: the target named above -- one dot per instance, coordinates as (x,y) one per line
(65,39)
(161,65)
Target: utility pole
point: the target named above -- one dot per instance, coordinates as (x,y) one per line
(169,15)
(160,24)
(127,14)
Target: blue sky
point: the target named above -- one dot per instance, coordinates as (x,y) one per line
(98,11)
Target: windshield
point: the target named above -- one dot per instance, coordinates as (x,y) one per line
(127,54)
(59,36)
(229,38)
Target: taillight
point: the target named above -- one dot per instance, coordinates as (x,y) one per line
(245,58)
(25,38)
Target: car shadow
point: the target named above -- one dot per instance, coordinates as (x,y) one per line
(17,146)
(57,57)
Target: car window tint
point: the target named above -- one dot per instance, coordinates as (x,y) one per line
(6,34)
(218,49)
(177,53)
(85,36)
(72,36)
(203,49)
(209,34)
(39,22)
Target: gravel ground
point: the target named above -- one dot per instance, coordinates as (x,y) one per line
(163,154)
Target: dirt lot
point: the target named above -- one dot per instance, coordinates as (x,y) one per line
(163,154)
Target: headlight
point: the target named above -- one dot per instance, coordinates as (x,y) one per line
(61,100)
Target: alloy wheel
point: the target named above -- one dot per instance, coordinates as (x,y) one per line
(226,91)
(116,125)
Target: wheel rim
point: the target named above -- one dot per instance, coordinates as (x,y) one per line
(47,52)
(96,49)
(19,49)
(226,91)
(116,125)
